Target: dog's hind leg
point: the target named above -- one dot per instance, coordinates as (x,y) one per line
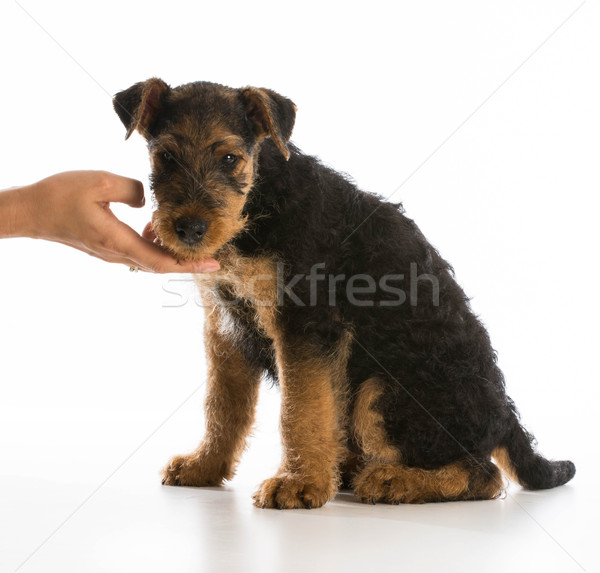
(367,425)
(386,479)
(467,479)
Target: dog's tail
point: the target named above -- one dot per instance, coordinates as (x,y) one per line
(519,460)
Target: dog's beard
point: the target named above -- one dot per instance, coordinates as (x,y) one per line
(221,231)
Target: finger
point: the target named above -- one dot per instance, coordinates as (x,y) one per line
(149,234)
(161,264)
(103,255)
(149,256)
(167,264)
(159,268)
(121,189)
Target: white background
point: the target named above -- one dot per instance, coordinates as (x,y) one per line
(482,118)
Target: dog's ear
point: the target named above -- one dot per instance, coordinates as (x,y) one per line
(138,106)
(271,115)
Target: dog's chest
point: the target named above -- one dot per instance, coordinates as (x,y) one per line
(244,293)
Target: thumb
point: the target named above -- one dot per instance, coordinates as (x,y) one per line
(123,190)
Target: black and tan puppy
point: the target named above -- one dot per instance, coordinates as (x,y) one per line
(389,382)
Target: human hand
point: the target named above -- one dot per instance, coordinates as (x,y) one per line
(73,208)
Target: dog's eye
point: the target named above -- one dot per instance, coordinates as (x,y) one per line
(229,160)
(166,157)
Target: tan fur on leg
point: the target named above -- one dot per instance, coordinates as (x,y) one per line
(232,393)
(389,483)
(368,427)
(312,421)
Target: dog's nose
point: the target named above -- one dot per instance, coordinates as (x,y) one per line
(190,230)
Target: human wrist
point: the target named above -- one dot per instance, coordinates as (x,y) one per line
(11,212)
(18,212)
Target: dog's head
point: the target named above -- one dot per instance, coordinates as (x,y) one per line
(203,140)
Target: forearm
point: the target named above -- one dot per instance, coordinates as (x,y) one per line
(16,212)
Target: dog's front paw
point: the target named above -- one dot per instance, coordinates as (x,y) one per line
(196,470)
(290,491)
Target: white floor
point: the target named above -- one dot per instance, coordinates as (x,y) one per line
(102,509)
(149,528)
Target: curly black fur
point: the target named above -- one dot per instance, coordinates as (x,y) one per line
(445,394)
